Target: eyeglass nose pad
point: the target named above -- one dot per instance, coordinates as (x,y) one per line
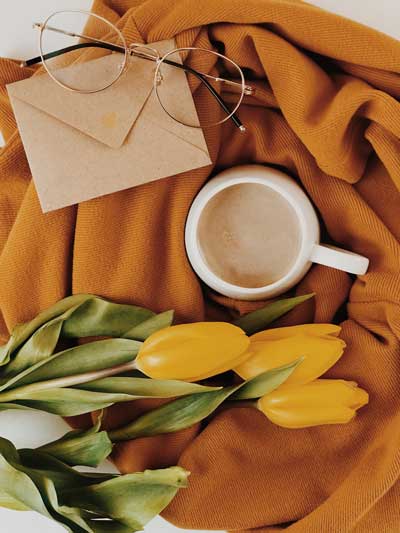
(128,62)
(159,78)
(122,64)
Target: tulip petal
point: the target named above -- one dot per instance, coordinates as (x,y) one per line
(317,330)
(324,401)
(319,353)
(227,365)
(321,392)
(191,352)
(309,417)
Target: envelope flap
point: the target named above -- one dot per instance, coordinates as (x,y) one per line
(108,115)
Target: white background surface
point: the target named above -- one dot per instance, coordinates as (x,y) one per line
(18,40)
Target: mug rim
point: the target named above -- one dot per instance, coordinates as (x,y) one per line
(281,183)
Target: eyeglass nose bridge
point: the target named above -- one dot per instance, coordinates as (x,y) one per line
(144,51)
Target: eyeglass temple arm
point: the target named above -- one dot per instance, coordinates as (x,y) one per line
(56,53)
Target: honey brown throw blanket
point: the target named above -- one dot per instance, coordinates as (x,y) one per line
(325,111)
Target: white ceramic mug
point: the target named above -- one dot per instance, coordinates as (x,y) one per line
(310,250)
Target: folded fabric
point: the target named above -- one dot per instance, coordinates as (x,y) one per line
(325,111)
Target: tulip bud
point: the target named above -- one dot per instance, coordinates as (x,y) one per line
(324,401)
(192,352)
(318,344)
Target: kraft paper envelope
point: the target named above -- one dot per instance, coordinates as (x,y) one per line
(81,146)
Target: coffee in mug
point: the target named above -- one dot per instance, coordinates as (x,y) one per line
(252,233)
(249,235)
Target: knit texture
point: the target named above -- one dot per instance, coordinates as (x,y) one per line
(326,112)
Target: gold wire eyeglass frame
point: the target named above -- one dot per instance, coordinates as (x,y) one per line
(145,52)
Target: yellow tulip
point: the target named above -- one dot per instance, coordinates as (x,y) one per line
(192,352)
(324,401)
(318,344)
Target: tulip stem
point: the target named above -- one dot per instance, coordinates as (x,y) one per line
(68,381)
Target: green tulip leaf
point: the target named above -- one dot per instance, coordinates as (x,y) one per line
(17,490)
(150,326)
(74,519)
(8,502)
(7,406)
(39,346)
(84,502)
(144,387)
(62,475)
(78,316)
(98,317)
(260,319)
(84,448)
(69,402)
(71,518)
(73,401)
(3,354)
(266,382)
(24,488)
(90,357)
(189,410)
(94,395)
(22,332)
(132,500)
(174,416)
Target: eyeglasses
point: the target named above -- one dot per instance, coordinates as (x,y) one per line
(63,41)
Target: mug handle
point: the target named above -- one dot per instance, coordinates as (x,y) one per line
(334,257)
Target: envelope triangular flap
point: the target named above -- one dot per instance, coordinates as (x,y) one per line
(107,115)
